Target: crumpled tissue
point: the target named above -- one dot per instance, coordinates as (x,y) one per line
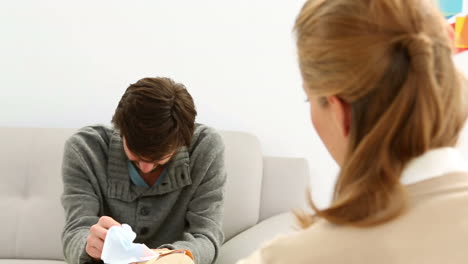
(120,249)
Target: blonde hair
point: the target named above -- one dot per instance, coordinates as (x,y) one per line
(391,60)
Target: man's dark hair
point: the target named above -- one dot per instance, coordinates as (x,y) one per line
(156,116)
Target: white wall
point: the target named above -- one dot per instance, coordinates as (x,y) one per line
(66,64)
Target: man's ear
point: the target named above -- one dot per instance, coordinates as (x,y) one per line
(341,112)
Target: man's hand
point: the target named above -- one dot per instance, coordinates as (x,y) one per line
(97,234)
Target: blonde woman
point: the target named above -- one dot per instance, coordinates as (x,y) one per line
(387,101)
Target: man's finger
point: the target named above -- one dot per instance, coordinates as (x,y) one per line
(94,242)
(98,231)
(108,222)
(93,252)
(98,244)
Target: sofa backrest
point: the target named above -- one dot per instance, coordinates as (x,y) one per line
(244,165)
(33,218)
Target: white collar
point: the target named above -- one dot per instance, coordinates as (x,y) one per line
(433,163)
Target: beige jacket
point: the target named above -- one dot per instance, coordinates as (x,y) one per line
(433,231)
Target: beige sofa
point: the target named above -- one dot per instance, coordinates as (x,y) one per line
(260,193)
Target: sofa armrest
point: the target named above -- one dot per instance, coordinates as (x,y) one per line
(284,185)
(245,243)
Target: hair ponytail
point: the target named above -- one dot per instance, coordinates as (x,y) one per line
(405,106)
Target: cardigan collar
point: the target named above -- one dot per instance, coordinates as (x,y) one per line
(119,182)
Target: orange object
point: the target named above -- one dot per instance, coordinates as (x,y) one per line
(461,32)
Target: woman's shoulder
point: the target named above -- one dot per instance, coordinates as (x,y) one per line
(324,242)
(304,246)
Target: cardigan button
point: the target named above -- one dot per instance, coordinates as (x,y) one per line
(144,231)
(144,211)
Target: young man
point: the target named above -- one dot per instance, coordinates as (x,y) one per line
(155,170)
